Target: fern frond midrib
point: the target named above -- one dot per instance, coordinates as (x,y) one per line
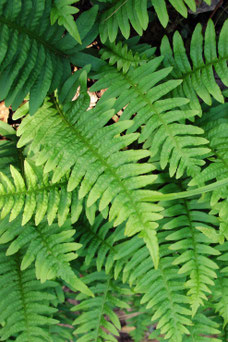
(34,191)
(116,10)
(97,236)
(126,57)
(169,295)
(192,230)
(102,160)
(102,308)
(32,35)
(20,283)
(202,67)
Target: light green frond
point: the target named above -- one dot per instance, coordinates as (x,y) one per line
(63,139)
(26,305)
(197,71)
(33,193)
(97,320)
(51,247)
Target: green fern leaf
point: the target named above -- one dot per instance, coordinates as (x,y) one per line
(198,79)
(36,194)
(164,132)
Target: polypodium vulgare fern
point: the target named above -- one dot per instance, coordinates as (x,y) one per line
(114,213)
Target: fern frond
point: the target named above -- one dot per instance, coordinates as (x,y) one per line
(121,14)
(35,57)
(120,54)
(62,139)
(197,71)
(51,247)
(203,329)
(25,307)
(34,193)
(164,133)
(215,124)
(163,291)
(162,288)
(98,313)
(194,247)
(100,240)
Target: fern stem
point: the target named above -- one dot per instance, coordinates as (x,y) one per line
(184,194)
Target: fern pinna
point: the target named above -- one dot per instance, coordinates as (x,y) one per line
(113,217)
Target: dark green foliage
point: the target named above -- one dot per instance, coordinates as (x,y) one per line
(115,213)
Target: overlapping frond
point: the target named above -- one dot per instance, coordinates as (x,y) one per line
(51,247)
(97,320)
(193,247)
(120,54)
(35,57)
(26,306)
(69,137)
(100,239)
(215,124)
(165,133)
(198,71)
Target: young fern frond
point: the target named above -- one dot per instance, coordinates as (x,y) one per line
(26,308)
(197,71)
(193,247)
(164,132)
(97,314)
(51,247)
(62,140)
(35,57)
